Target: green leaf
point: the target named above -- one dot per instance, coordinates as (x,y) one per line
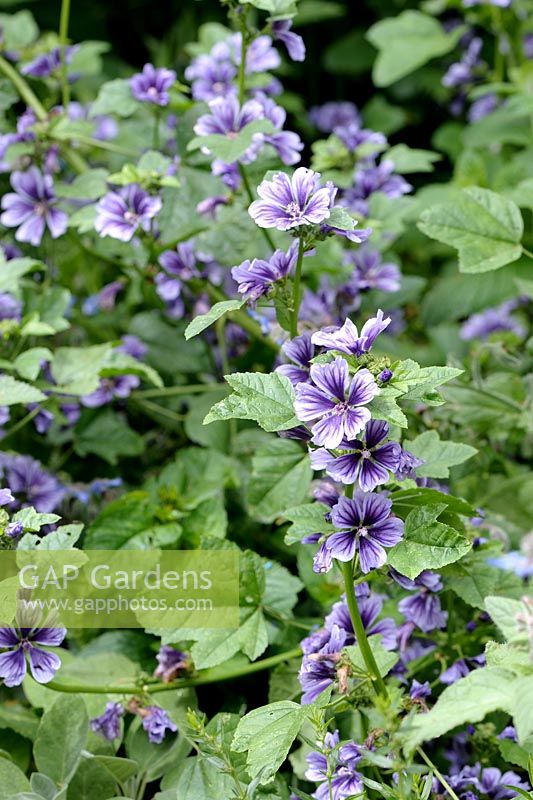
(468,700)
(115,97)
(341,219)
(281,589)
(119,768)
(406,499)
(198,778)
(91,782)
(406,42)
(28,364)
(427,543)
(117,363)
(474,580)
(267,733)
(231,148)
(385,660)
(267,399)
(485,227)
(504,612)
(419,383)
(21,720)
(13,392)
(108,436)
(216,647)
(438,456)
(76,370)
(312,11)
(11,271)
(12,780)
(61,738)
(407,159)
(522,710)
(33,520)
(281,475)
(385,407)
(203,321)
(19,30)
(306,520)
(89,185)
(119,521)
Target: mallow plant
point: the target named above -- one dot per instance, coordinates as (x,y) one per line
(235,323)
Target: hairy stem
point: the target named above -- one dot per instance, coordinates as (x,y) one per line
(437,774)
(297,290)
(24,90)
(360,633)
(213,675)
(63,35)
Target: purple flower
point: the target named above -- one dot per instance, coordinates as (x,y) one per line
(407,466)
(156,722)
(419,691)
(370,606)
(318,670)
(335,401)
(6,497)
(211,77)
(482,107)
(499,3)
(257,278)
(104,300)
(374,178)
(22,642)
(424,608)
(371,273)
(170,663)
(300,351)
(353,136)
(120,214)
(385,376)
(287,144)
(132,346)
(527,44)
(492,320)
(347,338)
(334,114)
(226,118)
(460,669)
(334,768)
(10,307)
(152,85)
(118,386)
(514,561)
(30,208)
(14,529)
(281,31)
(30,484)
(108,724)
(368,462)
(462,72)
(366,527)
(46,64)
(291,202)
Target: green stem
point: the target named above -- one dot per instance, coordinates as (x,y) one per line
(22,422)
(437,773)
(102,145)
(63,34)
(154,408)
(172,391)
(23,89)
(296,291)
(360,633)
(155,135)
(527,252)
(251,198)
(213,675)
(507,401)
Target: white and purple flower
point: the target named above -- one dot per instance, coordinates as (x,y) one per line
(21,642)
(292,202)
(257,277)
(348,340)
(120,214)
(32,207)
(335,402)
(367,528)
(152,85)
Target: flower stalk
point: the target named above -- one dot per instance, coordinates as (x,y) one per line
(297,289)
